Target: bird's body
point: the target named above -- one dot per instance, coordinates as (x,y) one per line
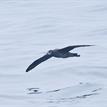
(58,53)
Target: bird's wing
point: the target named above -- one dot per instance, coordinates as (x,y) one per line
(37,62)
(69,48)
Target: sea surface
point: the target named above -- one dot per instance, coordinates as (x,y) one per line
(28,29)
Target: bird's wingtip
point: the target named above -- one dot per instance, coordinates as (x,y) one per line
(27,70)
(89,45)
(92,45)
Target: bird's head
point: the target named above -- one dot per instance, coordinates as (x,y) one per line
(50,52)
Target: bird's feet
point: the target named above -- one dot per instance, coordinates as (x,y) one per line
(76,55)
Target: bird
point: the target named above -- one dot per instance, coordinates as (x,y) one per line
(58,53)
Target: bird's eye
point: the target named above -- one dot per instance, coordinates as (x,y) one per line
(49,52)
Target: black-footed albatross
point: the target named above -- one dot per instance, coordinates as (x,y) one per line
(58,53)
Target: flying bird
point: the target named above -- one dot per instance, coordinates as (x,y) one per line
(58,53)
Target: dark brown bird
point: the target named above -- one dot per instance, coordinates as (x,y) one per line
(58,53)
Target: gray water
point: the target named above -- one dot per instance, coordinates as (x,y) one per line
(29,28)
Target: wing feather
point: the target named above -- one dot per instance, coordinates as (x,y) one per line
(69,48)
(38,61)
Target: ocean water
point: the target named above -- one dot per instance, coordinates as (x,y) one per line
(28,29)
